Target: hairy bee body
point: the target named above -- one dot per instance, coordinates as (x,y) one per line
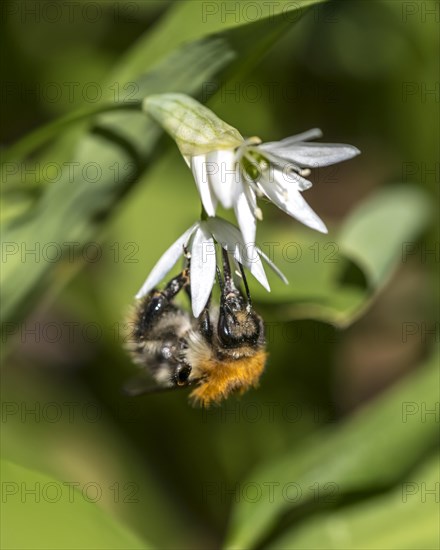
(221,352)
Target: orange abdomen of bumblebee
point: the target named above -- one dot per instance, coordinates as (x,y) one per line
(227,376)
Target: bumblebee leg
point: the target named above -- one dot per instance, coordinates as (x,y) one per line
(228,285)
(205,325)
(156,303)
(227,270)
(219,278)
(229,281)
(187,255)
(243,276)
(175,285)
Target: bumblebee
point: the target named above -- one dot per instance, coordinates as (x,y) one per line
(221,352)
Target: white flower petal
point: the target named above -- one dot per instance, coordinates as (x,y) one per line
(273,266)
(302,183)
(165,263)
(224,175)
(289,199)
(231,240)
(314,133)
(290,177)
(251,198)
(198,167)
(248,256)
(203,265)
(245,218)
(311,155)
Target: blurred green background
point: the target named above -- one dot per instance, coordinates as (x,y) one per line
(338,447)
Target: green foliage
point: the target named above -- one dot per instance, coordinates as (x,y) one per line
(56,516)
(362,455)
(318,266)
(405,517)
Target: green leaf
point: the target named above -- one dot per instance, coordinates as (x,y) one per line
(371,451)
(188,21)
(374,237)
(405,518)
(108,159)
(39,511)
(63,430)
(39,137)
(377,234)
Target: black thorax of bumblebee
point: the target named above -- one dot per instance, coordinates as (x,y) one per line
(165,337)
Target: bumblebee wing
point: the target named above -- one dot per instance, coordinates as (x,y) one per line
(143,384)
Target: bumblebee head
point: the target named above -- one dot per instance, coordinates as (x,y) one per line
(238,325)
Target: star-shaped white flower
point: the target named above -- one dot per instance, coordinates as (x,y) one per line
(200,240)
(235,177)
(234,171)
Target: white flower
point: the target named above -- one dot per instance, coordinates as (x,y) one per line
(234,171)
(236,176)
(199,240)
